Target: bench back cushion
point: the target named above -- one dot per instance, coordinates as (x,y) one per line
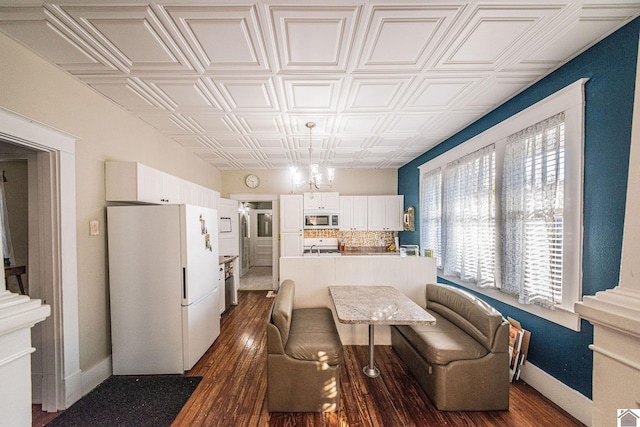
(283,308)
(469,313)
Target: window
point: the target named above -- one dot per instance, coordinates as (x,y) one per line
(431,211)
(507,221)
(468,230)
(532,202)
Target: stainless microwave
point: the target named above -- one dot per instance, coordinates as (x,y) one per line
(321,220)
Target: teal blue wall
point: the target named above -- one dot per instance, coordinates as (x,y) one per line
(611,66)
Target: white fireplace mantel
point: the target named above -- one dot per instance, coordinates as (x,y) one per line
(18,313)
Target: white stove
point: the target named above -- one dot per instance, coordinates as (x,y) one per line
(322,246)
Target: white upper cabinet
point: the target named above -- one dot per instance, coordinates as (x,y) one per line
(353,213)
(291,225)
(137,183)
(319,201)
(384,213)
(291,213)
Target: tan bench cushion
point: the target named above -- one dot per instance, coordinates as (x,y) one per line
(283,308)
(314,336)
(471,314)
(443,342)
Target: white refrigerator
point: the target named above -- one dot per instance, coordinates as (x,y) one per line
(163,285)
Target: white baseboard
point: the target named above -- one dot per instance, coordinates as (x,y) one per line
(72,388)
(95,375)
(575,403)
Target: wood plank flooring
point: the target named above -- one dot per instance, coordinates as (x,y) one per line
(233,389)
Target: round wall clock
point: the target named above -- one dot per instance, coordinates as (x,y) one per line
(252,181)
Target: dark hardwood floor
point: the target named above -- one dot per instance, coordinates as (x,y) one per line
(233,389)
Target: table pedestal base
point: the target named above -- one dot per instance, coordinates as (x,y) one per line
(371,371)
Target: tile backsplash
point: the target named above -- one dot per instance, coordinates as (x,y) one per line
(356,238)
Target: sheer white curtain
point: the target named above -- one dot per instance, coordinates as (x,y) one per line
(7,247)
(532,201)
(468,230)
(431,213)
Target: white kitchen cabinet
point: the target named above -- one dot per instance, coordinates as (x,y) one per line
(384,213)
(291,225)
(291,213)
(353,213)
(135,182)
(320,201)
(195,194)
(291,244)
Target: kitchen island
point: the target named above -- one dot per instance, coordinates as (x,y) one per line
(314,275)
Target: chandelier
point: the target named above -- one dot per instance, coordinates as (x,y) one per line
(316,179)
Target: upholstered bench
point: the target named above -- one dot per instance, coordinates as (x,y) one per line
(462,361)
(304,354)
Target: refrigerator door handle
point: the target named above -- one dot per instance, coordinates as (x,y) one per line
(184,283)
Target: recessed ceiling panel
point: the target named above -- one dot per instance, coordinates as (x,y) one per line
(313,95)
(360,124)
(125,92)
(184,93)
(436,93)
(132,34)
(403,38)
(248,94)
(314,38)
(492,34)
(224,38)
(52,40)
(375,94)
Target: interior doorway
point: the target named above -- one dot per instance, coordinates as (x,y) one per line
(259,202)
(52,253)
(257,234)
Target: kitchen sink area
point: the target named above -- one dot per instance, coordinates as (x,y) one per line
(325,246)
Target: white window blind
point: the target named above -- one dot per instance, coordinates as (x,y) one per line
(431,213)
(532,213)
(468,229)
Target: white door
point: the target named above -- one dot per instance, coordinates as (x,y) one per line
(261,237)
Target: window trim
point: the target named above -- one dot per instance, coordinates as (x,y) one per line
(571,100)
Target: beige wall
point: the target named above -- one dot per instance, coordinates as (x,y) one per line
(348,182)
(31,87)
(16,192)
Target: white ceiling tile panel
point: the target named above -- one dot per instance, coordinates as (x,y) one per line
(313,38)
(252,124)
(438,93)
(319,95)
(132,34)
(496,90)
(224,38)
(38,29)
(250,94)
(129,93)
(493,33)
(375,94)
(185,93)
(235,81)
(364,124)
(401,38)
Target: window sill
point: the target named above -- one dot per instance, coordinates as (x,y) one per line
(560,315)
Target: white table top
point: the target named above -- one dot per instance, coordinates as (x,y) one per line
(377,305)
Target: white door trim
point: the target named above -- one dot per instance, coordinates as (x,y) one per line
(273,198)
(57,257)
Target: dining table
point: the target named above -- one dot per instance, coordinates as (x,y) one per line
(376,305)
